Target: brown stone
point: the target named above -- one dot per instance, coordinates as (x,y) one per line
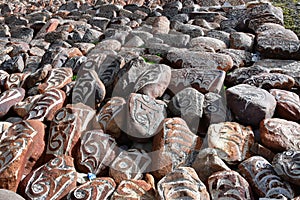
(161,25)
(271,81)
(9,98)
(99,188)
(263,180)
(173,146)
(134,190)
(15,80)
(130,164)
(46,107)
(50,26)
(208,162)
(95,152)
(260,150)
(111,116)
(279,134)
(22,108)
(231,140)
(58,175)
(57,78)
(288,104)
(72,52)
(182,183)
(229,184)
(250,104)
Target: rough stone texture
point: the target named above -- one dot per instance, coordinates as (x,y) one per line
(161,25)
(243,41)
(250,105)
(9,98)
(279,134)
(209,43)
(7,194)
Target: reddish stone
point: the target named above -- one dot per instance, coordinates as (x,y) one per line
(22,108)
(10,98)
(50,26)
(260,150)
(72,52)
(15,80)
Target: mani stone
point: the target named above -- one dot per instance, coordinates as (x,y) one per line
(46,107)
(99,188)
(287,164)
(271,81)
(249,104)
(263,180)
(173,146)
(145,116)
(57,78)
(288,104)
(111,115)
(15,80)
(208,162)
(53,180)
(19,151)
(231,140)
(202,80)
(22,108)
(9,98)
(95,152)
(130,164)
(182,183)
(199,60)
(134,190)
(279,134)
(207,43)
(154,81)
(229,184)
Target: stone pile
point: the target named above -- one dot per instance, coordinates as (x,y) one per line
(148,100)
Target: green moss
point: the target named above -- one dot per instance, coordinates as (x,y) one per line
(148,61)
(74,78)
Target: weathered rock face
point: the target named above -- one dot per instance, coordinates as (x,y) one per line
(10,98)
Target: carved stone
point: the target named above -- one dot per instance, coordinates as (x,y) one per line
(15,80)
(57,78)
(250,104)
(288,104)
(10,98)
(95,152)
(52,180)
(229,184)
(202,80)
(231,140)
(130,164)
(173,146)
(279,134)
(46,107)
(263,180)
(182,183)
(22,108)
(99,188)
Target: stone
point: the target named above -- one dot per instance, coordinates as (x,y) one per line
(158,49)
(23,33)
(240,58)
(134,189)
(144,116)
(95,152)
(3,76)
(135,41)
(84,48)
(203,81)
(19,151)
(161,25)
(249,104)
(99,188)
(173,146)
(174,40)
(50,26)
(271,81)
(229,184)
(99,22)
(46,107)
(54,36)
(107,44)
(111,116)
(200,60)
(263,180)
(57,78)
(188,104)
(231,140)
(13,65)
(130,164)
(279,134)
(286,165)
(243,41)
(88,89)
(260,150)
(154,81)
(182,183)
(288,104)
(208,162)
(202,43)
(189,29)
(15,80)
(22,108)
(91,36)
(221,35)
(75,63)
(73,52)
(58,174)
(56,57)
(3,128)
(37,76)
(7,194)
(9,98)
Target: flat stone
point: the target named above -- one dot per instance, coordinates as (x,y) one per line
(173,146)
(189,29)
(279,134)
(100,22)
(179,41)
(14,65)
(249,104)
(9,98)
(263,180)
(56,57)
(22,108)
(260,150)
(108,44)
(225,184)
(15,80)
(181,183)
(240,58)
(23,33)
(221,35)
(288,104)
(207,43)
(50,26)
(161,25)
(231,140)
(243,41)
